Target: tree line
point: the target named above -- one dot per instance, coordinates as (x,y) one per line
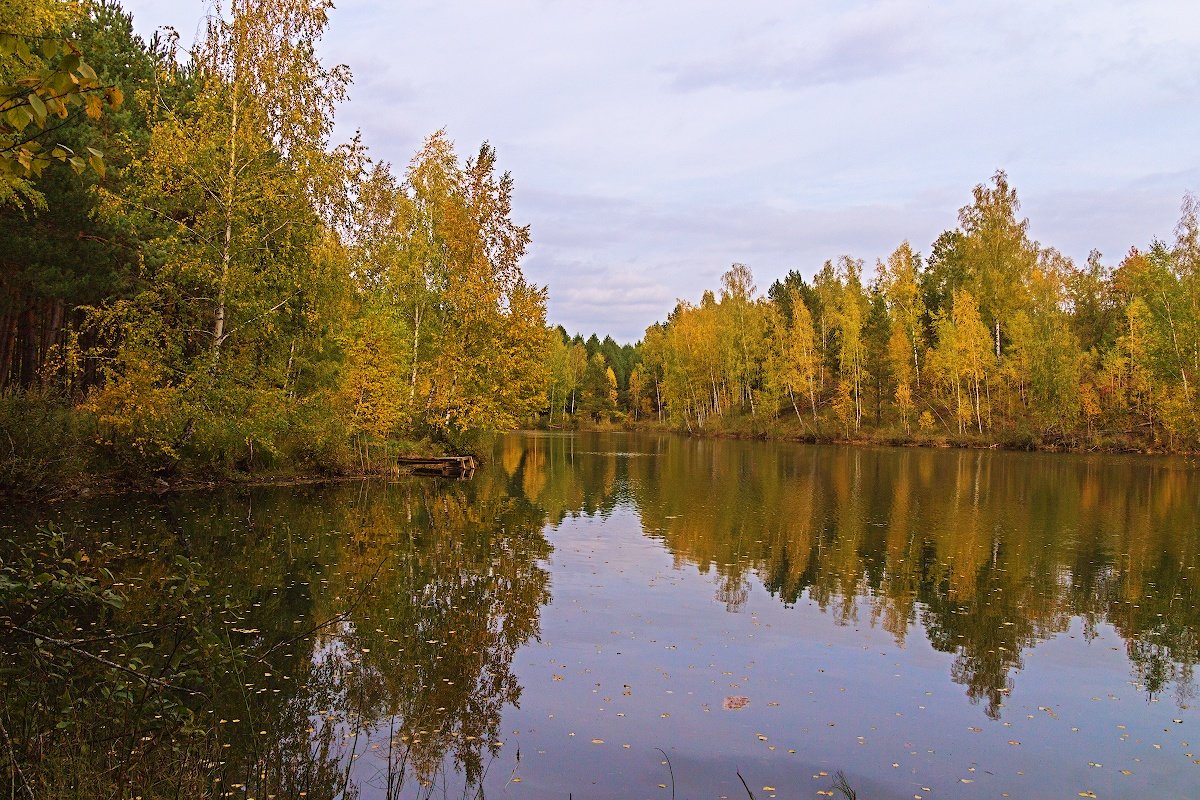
(195,276)
(990,338)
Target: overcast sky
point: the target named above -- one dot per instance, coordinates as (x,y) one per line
(655,143)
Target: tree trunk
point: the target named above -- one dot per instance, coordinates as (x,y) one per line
(227,244)
(978,416)
(8,342)
(412,378)
(28,342)
(958,404)
(916,361)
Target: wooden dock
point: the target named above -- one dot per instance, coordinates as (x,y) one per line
(446,466)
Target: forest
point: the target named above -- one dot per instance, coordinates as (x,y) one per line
(197,281)
(991,338)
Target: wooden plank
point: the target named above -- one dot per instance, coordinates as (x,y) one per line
(446,466)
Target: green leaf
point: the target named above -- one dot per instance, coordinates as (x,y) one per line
(18,118)
(97,163)
(87,73)
(38,107)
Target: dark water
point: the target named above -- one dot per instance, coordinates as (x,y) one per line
(936,624)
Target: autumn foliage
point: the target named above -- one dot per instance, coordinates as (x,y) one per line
(991,338)
(229,289)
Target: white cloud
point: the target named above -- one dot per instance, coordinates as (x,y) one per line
(663,141)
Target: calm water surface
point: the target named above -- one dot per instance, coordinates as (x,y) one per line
(936,624)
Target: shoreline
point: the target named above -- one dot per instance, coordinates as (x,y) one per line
(108,486)
(100,485)
(1127,447)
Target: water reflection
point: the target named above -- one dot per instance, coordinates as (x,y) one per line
(419,592)
(422,591)
(989,552)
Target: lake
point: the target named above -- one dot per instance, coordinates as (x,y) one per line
(630,615)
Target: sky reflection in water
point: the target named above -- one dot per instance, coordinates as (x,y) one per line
(934,623)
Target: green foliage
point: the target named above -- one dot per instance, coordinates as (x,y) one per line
(43,442)
(84,653)
(236,293)
(44,79)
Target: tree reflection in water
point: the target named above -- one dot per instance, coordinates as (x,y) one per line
(989,552)
(429,587)
(423,590)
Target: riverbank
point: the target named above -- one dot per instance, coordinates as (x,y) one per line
(54,455)
(106,486)
(790,431)
(75,468)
